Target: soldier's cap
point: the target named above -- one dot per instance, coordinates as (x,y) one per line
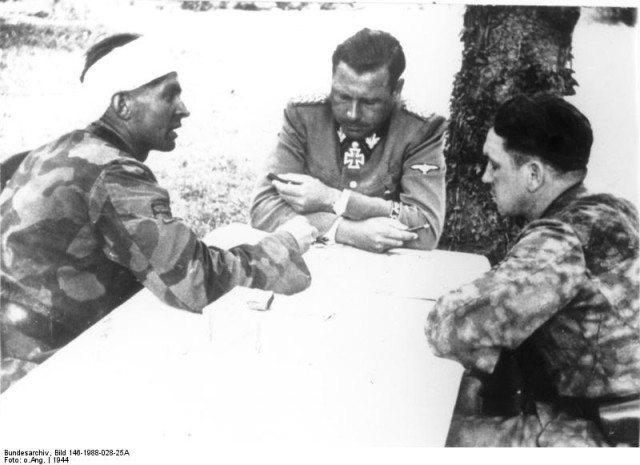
(127,67)
(548,127)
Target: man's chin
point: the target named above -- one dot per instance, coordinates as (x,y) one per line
(168,146)
(504,211)
(355,134)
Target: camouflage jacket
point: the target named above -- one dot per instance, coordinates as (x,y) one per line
(569,286)
(406,165)
(84,224)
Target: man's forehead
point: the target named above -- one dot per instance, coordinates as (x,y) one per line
(493,145)
(371,84)
(168,80)
(493,140)
(344,70)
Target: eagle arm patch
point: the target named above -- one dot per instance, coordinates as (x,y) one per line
(424,168)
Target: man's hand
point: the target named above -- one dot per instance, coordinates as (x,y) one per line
(377,234)
(308,195)
(300,228)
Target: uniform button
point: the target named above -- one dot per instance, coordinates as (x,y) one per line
(353,184)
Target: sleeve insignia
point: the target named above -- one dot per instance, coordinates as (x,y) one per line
(161,209)
(424,168)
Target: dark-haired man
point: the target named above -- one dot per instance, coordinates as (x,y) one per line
(85,223)
(564,299)
(358,165)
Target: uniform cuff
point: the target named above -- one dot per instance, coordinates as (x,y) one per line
(340,206)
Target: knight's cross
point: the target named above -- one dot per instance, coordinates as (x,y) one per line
(354,158)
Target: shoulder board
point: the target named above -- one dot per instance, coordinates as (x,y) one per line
(415,111)
(309,99)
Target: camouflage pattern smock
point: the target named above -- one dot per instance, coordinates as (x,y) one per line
(84,224)
(570,288)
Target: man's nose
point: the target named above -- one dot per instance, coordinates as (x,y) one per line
(353,112)
(182,109)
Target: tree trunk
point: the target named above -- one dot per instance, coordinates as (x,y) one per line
(507,50)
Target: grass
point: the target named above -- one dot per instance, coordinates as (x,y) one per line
(46,37)
(209,193)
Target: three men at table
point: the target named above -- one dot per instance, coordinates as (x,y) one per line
(358,164)
(85,223)
(567,291)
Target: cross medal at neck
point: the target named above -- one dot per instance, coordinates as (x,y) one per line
(356,151)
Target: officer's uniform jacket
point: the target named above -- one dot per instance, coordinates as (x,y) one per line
(570,287)
(83,223)
(406,166)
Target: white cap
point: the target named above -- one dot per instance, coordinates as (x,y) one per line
(126,68)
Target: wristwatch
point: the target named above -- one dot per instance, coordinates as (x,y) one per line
(395,210)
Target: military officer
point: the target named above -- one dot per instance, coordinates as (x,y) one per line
(567,291)
(85,223)
(358,164)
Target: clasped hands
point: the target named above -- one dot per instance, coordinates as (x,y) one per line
(306,194)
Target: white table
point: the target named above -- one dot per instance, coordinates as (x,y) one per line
(344,363)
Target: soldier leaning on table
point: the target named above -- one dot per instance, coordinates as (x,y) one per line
(366,165)
(85,223)
(563,304)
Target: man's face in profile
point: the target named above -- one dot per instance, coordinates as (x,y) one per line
(508,181)
(361,103)
(157,113)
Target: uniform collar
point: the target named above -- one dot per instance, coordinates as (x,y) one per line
(370,140)
(105,132)
(564,199)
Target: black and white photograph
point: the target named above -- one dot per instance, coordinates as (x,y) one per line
(311,232)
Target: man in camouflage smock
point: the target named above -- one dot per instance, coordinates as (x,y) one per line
(367,168)
(567,289)
(85,224)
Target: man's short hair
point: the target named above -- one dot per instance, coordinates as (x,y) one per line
(103,47)
(369,50)
(548,127)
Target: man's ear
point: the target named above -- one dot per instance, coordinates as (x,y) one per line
(121,105)
(397,90)
(535,175)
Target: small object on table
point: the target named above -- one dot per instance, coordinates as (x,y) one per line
(258,299)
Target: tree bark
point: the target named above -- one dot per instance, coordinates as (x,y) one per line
(507,50)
